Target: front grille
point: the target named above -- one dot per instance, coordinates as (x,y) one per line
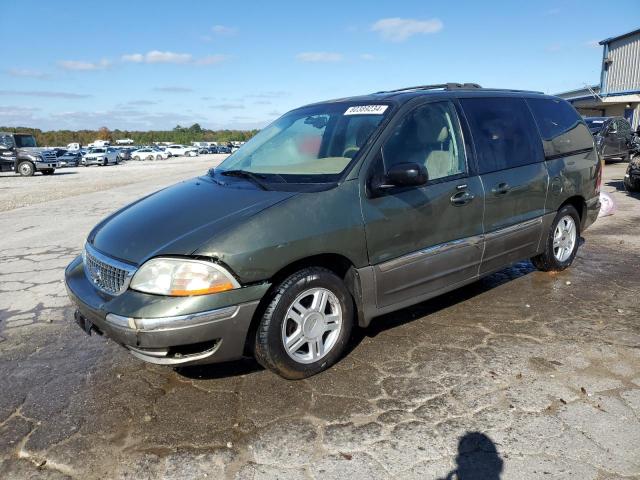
(107,274)
(49,156)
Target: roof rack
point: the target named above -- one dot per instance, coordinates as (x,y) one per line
(444,86)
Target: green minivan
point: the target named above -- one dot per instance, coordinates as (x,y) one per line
(334,214)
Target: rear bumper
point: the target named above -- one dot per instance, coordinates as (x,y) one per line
(194,330)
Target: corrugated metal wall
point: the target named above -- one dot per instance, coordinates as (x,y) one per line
(624,72)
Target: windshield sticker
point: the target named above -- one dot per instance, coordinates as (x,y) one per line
(366,110)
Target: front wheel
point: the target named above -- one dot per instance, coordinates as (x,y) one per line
(561,243)
(306,325)
(158,157)
(26,169)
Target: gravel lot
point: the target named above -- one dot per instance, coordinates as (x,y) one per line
(523,375)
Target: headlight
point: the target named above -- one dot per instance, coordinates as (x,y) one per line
(182,277)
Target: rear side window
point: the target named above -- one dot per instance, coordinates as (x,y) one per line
(623,126)
(503,131)
(561,128)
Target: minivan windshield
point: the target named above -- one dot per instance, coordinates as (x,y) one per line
(25,141)
(309,145)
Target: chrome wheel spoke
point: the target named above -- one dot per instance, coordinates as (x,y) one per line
(317,348)
(309,333)
(295,341)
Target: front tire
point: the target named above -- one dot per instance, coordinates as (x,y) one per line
(26,169)
(306,325)
(561,244)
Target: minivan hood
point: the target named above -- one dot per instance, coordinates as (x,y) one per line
(178,219)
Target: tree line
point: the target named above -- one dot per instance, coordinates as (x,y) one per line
(183,135)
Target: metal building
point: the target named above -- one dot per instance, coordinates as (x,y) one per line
(618,93)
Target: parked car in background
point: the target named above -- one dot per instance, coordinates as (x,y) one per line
(180,150)
(70,159)
(148,153)
(613,136)
(20,153)
(224,149)
(101,156)
(414,192)
(124,153)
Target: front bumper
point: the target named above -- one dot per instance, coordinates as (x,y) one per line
(167,330)
(46,165)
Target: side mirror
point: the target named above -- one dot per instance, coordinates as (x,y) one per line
(403,175)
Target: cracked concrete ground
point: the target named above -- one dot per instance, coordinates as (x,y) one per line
(523,375)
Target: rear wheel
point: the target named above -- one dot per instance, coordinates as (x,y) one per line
(136,158)
(26,169)
(561,243)
(306,325)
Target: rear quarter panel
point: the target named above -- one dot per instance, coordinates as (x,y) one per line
(575,175)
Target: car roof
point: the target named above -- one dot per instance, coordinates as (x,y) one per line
(445,90)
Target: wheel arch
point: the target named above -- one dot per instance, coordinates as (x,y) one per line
(342,266)
(579,203)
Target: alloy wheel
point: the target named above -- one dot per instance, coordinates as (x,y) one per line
(312,325)
(564,238)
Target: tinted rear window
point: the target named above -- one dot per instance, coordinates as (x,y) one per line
(561,128)
(503,131)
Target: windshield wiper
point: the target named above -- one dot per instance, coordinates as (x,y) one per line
(254,177)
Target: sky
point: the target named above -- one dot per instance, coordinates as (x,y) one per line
(141,65)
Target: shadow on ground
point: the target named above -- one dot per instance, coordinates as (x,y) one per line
(379,324)
(477,459)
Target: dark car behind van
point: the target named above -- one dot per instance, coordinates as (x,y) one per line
(336,213)
(613,137)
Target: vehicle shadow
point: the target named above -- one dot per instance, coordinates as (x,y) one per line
(378,325)
(409,314)
(220,370)
(619,186)
(477,459)
(16,176)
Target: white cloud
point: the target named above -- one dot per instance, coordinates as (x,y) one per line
(172,89)
(43,94)
(228,106)
(553,48)
(23,72)
(84,66)
(223,30)
(211,59)
(592,44)
(319,57)
(400,29)
(133,57)
(157,56)
(367,56)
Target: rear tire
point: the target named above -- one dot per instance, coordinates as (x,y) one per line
(561,243)
(313,312)
(26,169)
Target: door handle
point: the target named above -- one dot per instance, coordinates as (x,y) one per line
(462,198)
(501,189)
